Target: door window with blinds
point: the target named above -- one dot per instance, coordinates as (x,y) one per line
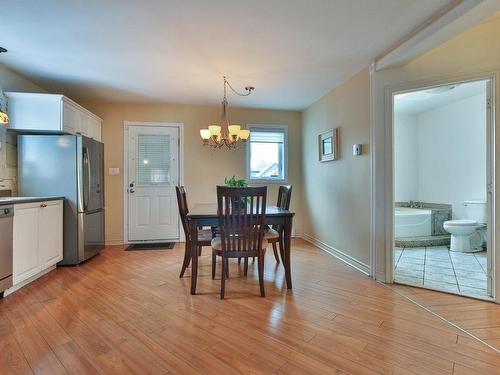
(153,160)
(267,153)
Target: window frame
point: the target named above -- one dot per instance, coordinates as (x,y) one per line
(268,128)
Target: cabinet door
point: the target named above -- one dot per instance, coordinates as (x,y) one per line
(50,231)
(94,129)
(25,245)
(97,131)
(84,124)
(70,118)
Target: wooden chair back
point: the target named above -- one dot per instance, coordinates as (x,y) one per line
(241,220)
(183,208)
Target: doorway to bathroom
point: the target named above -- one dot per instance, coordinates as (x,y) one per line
(442,188)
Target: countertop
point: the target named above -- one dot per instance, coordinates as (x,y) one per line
(14,200)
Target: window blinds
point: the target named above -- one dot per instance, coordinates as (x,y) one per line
(153,159)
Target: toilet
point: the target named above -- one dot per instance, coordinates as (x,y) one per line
(468,235)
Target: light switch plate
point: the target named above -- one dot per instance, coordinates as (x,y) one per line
(114,171)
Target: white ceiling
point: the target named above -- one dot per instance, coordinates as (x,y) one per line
(292,51)
(416,102)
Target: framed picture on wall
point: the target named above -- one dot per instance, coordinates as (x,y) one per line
(327,145)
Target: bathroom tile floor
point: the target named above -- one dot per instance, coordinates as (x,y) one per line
(441,269)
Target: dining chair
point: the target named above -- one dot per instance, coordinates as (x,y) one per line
(242,227)
(204,235)
(275,234)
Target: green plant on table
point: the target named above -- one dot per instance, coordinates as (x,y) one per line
(235,182)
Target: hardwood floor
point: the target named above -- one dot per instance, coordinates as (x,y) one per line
(480,318)
(128,312)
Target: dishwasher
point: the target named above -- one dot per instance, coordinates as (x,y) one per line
(6,232)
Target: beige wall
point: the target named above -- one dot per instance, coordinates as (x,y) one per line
(469,55)
(11,81)
(204,168)
(337,193)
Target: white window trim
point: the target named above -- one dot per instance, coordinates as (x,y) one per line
(268,127)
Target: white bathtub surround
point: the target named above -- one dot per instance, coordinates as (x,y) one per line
(438,268)
(412,222)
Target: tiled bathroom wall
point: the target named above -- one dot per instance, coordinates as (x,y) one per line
(8,160)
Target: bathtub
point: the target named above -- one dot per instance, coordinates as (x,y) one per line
(412,222)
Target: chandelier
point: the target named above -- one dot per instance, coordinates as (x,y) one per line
(4,118)
(224,134)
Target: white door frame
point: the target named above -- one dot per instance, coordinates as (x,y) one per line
(388,202)
(126,125)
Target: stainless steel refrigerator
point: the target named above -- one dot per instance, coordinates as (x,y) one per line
(70,166)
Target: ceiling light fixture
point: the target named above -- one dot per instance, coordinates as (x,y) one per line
(224,134)
(4,117)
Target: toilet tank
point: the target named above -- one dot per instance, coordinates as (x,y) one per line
(476,210)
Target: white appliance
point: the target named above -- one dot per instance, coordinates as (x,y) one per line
(469,235)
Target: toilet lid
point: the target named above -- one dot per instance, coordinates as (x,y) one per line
(461,222)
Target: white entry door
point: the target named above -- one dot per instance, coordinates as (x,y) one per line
(153,173)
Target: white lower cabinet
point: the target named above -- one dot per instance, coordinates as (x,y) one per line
(38,238)
(51,234)
(25,245)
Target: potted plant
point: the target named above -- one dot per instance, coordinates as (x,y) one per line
(235,182)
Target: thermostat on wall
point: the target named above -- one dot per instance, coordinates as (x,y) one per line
(356,149)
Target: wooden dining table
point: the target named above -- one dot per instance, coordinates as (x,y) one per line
(203,215)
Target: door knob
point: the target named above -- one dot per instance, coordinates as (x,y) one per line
(131,190)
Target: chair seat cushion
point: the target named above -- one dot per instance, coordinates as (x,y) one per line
(272,234)
(204,235)
(217,244)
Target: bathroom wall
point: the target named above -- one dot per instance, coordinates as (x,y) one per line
(440,155)
(405,158)
(11,81)
(452,154)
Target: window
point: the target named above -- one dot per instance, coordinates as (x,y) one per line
(153,159)
(267,153)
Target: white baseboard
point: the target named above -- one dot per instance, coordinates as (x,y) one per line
(114,242)
(349,260)
(122,242)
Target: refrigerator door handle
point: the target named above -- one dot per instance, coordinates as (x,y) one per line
(86,192)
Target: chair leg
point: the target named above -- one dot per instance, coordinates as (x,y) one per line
(275,250)
(239,260)
(223,279)
(187,258)
(199,250)
(214,261)
(260,261)
(245,267)
(253,259)
(227,268)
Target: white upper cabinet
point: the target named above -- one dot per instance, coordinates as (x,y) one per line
(51,113)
